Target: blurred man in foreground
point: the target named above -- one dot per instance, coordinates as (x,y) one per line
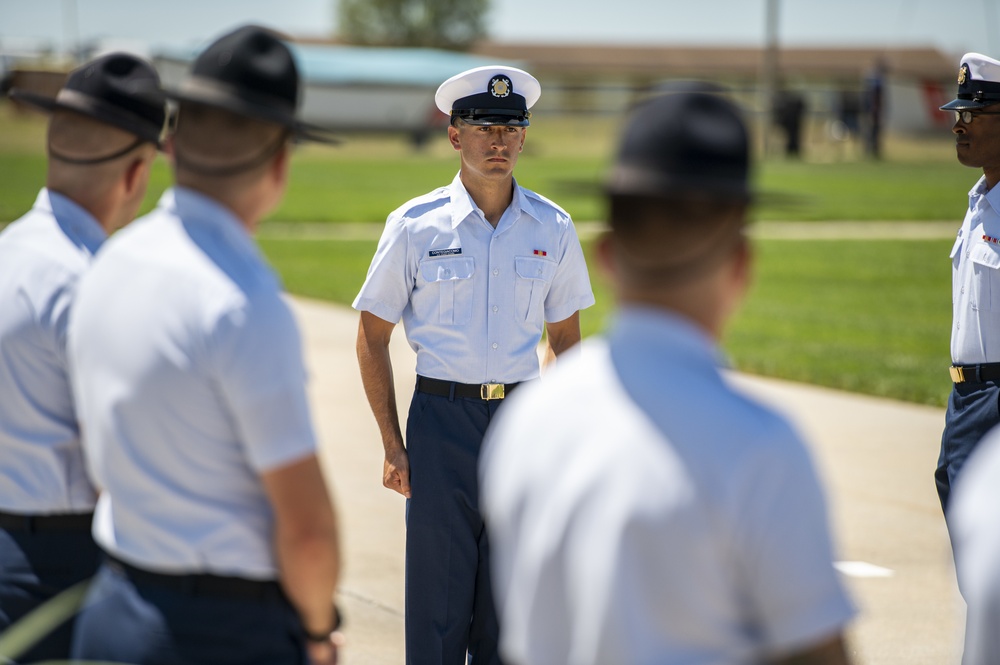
(975,533)
(220,535)
(640,510)
(103,135)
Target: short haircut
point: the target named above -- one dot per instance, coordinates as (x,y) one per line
(74,138)
(213,142)
(675,237)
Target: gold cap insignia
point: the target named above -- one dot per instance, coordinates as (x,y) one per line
(963,74)
(500,86)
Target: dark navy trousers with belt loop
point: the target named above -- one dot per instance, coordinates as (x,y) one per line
(973,410)
(449,601)
(35,566)
(126,620)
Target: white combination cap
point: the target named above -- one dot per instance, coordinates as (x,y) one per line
(491,95)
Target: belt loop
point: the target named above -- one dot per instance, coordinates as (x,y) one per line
(979,377)
(451,392)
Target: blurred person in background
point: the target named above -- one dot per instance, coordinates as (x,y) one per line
(476,270)
(220,536)
(640,509)
(874,96)
(105,126)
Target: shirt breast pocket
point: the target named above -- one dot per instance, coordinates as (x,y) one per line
(531,286)
(985,258)
(452,280)
(956,250)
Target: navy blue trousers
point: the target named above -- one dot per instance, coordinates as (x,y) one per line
(34,567)
(973,410)
(449,603)
(143,624)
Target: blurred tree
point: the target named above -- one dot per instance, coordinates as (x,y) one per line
(451,24)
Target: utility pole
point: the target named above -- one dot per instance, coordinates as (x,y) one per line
(990,12)
(71,30)
(769,69)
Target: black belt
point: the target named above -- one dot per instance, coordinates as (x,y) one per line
(33,523)
(202,584)
(975,373)
(484,391)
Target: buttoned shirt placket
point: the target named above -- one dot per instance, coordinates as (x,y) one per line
(497,344)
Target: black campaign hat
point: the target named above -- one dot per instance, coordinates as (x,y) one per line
(683,143)
(250,72)
(117,89)
(978,83)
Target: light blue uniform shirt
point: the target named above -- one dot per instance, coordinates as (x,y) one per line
(642,511)
(474,299)
(42,255)
(187,368)
(975,257)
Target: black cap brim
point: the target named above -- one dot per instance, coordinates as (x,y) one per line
(626,180)
(92,108)
(216,95)
(968,104)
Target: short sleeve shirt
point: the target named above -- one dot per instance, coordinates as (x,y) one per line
(42,256)
(474,299)
(187,367)
(975,256)
(640,520)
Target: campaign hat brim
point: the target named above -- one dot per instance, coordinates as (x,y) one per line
(97,109)
(220,95)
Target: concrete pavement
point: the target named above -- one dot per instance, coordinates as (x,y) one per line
(876,456)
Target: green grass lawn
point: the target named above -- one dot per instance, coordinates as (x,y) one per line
(870,317)
(564,159)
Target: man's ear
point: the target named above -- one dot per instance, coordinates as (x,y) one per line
(281,163)
(453,137)
(604,246)
(136,173)
(743,264)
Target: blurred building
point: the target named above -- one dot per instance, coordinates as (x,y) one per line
(587,78)
(352,88)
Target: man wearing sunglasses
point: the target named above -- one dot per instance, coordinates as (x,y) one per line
(975,371)
(975,256)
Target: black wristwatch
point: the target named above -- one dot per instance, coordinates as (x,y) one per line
(338,621)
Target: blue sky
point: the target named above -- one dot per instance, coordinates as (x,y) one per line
(955,26)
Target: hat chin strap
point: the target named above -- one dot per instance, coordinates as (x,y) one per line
(232,169)
(54,154)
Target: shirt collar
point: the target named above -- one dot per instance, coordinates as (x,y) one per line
(645,327)
(462,205)
(992,196)
(82,228)
(202,213)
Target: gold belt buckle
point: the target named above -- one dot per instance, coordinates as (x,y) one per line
(957,374)
(490,391)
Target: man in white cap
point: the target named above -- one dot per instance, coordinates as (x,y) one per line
(187,368)
(476,270)
(969,495)
(639,508)
(975,258)
(104,130)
